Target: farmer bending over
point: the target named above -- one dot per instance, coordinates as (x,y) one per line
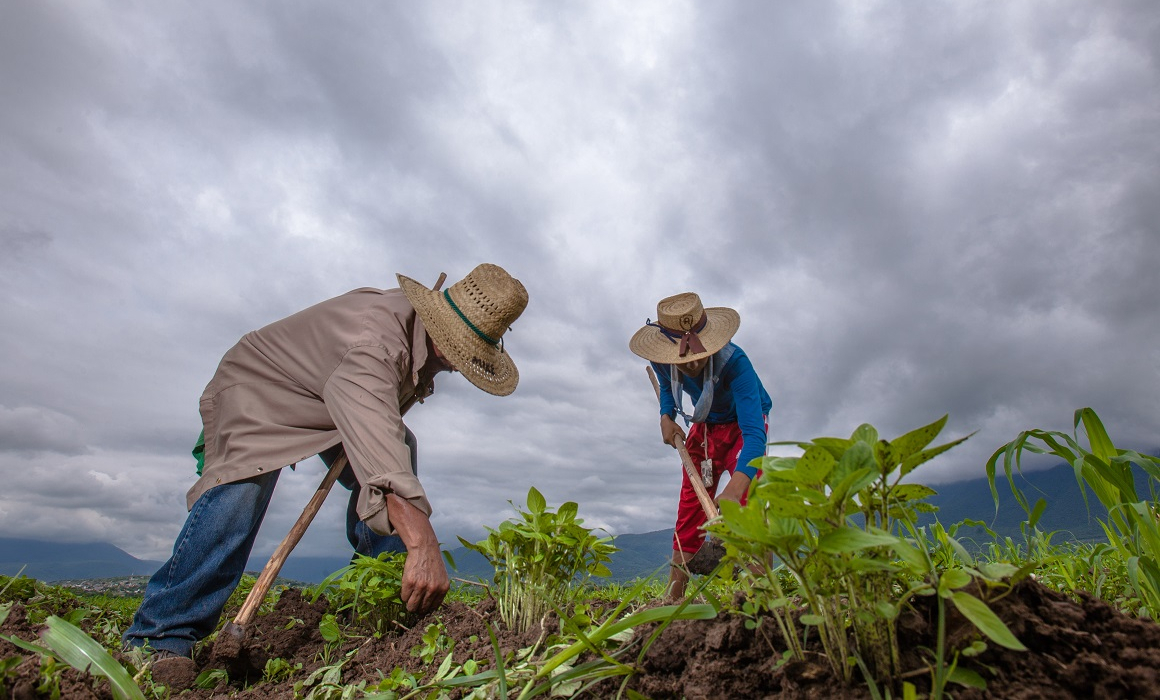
(335,377)
(690,351)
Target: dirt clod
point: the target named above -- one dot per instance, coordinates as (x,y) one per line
(175,672)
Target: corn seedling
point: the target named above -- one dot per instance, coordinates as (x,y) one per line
(66,642)
(1132,525)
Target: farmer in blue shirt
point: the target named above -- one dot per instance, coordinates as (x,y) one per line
(690,350)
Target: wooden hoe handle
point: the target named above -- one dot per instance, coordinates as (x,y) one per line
(691,471)
(274,566)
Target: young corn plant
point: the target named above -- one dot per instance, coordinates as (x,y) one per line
(834,518)
(64,641)
(541,560)
(1133,522)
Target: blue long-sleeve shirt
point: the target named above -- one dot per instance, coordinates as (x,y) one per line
(739,397)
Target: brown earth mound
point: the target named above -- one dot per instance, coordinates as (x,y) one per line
(1075,650)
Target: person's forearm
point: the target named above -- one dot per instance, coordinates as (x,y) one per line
(412,524)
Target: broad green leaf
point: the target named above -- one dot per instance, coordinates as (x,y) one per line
(914,559)
(865,433)
(952,579)
(792,509)
(83,653)
(328,628)
(905,446)
(909,464)
(982,617)
(912,492)
(536,501)
(814,466)
(835,446)
(997,570)
(777,468)
(859,457)
(853,483)
(810,619)
(849,539)
(568,510)
(967,677)
(863,564)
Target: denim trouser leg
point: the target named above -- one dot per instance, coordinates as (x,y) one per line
(364,540)
(185,597)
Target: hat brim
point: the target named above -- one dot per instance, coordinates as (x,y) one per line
(653,345)
(483,364)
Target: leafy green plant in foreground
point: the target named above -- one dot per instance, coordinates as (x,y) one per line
(63,640)
(1133,523)
(833,517)
(541,560)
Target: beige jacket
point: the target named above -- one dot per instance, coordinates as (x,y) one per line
(338,371)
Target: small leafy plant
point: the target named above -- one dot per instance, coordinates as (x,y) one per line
(541,560)
(835,519)
(368,590)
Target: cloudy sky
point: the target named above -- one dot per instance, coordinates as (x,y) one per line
(917,208)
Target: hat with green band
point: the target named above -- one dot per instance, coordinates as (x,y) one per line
(467,322)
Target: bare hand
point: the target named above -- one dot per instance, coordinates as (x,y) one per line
(670,430)
(735,490)
(425,581)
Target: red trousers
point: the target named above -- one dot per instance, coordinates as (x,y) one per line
(725,443)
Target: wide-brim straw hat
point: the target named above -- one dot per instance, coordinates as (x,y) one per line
(467,322)
(685,331)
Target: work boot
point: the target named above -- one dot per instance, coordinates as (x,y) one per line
(173,670)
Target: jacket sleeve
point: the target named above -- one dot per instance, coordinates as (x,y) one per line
(664,380)
(746,391)
(362,398)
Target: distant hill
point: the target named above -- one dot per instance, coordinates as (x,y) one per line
(640,555)
(1066,512)
(54,561)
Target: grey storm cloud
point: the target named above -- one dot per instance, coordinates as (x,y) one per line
(917,210)
(28,429)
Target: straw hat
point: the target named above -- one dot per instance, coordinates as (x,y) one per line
(467,322)
(685,331)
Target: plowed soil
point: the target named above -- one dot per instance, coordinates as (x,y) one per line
(1075,650)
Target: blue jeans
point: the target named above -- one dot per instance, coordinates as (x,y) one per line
(185,597)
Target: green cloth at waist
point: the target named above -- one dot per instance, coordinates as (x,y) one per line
(199,451)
